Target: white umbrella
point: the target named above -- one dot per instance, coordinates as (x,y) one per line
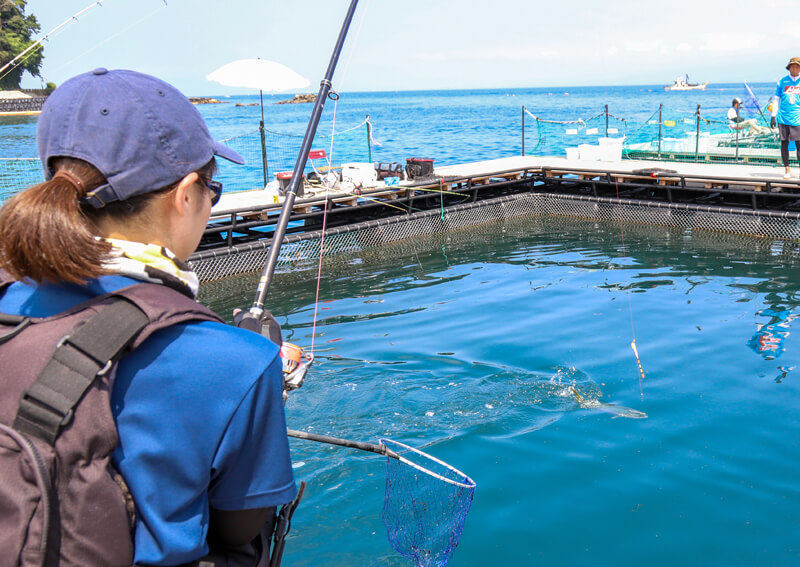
(263,75)
(258,74)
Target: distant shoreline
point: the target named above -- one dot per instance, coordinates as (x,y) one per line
(712,87)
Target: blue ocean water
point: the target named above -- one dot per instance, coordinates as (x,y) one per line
(469,345)
(448,126)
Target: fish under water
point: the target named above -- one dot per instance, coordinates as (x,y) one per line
(615,410)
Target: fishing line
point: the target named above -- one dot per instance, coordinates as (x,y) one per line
(34,50)
(122,31)
(380,202)
(319,270)
(330,166)
(630,303)
(333,132)
(426,501)
(322,236)
(329,160)
(35,46)
(21,61)
(354,43)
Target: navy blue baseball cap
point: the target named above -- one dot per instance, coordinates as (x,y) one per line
(141,133)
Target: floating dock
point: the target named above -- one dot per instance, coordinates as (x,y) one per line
(743,199)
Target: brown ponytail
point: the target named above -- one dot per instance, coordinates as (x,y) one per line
(44,233)
(47,235)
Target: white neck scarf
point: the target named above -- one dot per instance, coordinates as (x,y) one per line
(151,263)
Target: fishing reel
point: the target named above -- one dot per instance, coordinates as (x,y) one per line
(295,360)
(296,363)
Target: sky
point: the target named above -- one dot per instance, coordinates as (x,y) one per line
(426,44)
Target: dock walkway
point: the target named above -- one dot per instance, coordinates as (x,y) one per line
(712,174)
(697,175)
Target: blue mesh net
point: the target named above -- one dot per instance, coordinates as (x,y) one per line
(425,505)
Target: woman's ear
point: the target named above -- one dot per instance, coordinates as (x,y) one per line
(182,199)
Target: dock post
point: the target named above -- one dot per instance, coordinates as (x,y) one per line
(264,167)
(523,129)
(606,121)
(697,136)
(660,108)
(369,139)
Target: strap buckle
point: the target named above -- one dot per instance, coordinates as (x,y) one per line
(65,418)
(100,196)
(102,372)
(40,419)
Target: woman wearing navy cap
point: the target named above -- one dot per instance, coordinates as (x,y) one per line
(128,164)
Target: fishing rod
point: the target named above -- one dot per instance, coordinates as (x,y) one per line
(758,106)
(265,280)
(14,62)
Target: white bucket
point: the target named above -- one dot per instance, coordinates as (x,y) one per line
(573,154)
(588,152)
(360,174)
(610,149)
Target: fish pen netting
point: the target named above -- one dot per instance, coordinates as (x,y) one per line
(425,505)
(300,251)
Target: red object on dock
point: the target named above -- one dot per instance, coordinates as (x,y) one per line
(285,178)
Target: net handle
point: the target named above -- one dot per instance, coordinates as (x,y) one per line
(360,445)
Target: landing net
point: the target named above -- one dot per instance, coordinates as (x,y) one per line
(425,505)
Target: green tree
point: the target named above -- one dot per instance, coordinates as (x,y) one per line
(16,29)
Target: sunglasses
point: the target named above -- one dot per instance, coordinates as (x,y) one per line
(216,190)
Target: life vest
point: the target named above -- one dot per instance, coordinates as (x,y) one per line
(61,501)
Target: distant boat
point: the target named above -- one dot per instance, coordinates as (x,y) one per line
(683,84)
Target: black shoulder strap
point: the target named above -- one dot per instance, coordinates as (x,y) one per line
(80,357)
(19,322)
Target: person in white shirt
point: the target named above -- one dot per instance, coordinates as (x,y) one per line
(736,122)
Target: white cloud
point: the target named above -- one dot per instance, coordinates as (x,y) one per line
(514,53)
(791,28)
(732,41)
(642,46)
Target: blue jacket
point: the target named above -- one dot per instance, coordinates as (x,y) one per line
(200,420)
